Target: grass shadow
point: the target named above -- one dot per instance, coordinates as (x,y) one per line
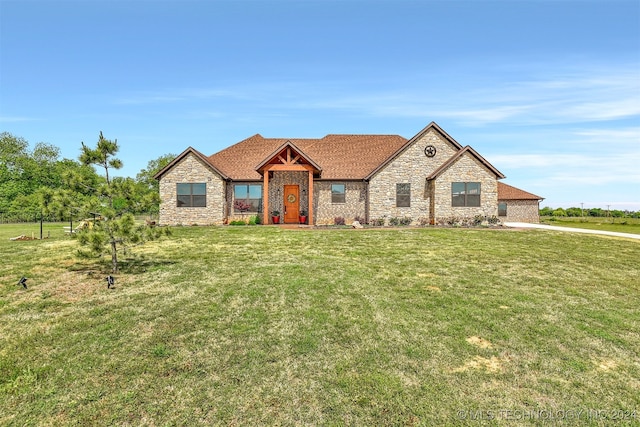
(134,265)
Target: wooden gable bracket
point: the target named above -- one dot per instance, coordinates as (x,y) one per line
(296,160)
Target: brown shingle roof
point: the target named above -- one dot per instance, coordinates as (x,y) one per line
(339,156)
(343,157)
(508,192)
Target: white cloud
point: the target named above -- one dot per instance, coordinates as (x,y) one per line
(549,160)
(166,96)
(14,119)
(585,95)
(579,95)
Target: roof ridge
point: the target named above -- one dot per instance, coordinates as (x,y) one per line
(363,134)
(257,135)
(289,139)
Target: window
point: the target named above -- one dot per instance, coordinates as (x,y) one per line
(502,209)
(192,195)
(403,195)
(338,194)
(465,194)
(247,198)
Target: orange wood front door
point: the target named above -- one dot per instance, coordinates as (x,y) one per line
(291,203)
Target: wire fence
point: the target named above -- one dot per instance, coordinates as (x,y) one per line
(35,216)
(17,217)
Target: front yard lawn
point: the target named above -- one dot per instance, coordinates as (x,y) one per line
(266,326)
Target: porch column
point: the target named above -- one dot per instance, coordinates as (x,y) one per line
(310,219)
(265,195)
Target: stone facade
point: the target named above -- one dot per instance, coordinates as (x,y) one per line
(354,205)
(411,166)
(191,169)
(466,169)
(521,211)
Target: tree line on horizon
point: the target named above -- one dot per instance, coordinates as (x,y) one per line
(588,212)
(30,178)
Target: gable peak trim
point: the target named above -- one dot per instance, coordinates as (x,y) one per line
(410,142)
(467,149)
(185,153)
(287,145)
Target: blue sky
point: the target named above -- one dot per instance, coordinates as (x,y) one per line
(547,91)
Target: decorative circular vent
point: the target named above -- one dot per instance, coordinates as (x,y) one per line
(429,151)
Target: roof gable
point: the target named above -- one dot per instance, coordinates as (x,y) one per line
(410,142)
(184,154)
(434,125)
(458,156)
(288,153)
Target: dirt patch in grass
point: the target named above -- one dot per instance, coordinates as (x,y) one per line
(606,364)
(479,342)
(492,364)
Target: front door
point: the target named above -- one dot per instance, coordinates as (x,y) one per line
(291,203)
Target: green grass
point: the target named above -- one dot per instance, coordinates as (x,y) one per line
(620,225)
(265,326)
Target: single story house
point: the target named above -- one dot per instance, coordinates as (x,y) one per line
(425,179)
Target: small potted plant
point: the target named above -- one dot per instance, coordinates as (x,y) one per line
(275,217)
(302,217)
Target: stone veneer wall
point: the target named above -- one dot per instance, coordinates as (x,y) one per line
(191,169)
(466,169)
(354,205)
(412,166)
(521,211)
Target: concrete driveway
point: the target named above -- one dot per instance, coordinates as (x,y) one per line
(570,229)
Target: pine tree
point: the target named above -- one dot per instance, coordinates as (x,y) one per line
(113,227)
